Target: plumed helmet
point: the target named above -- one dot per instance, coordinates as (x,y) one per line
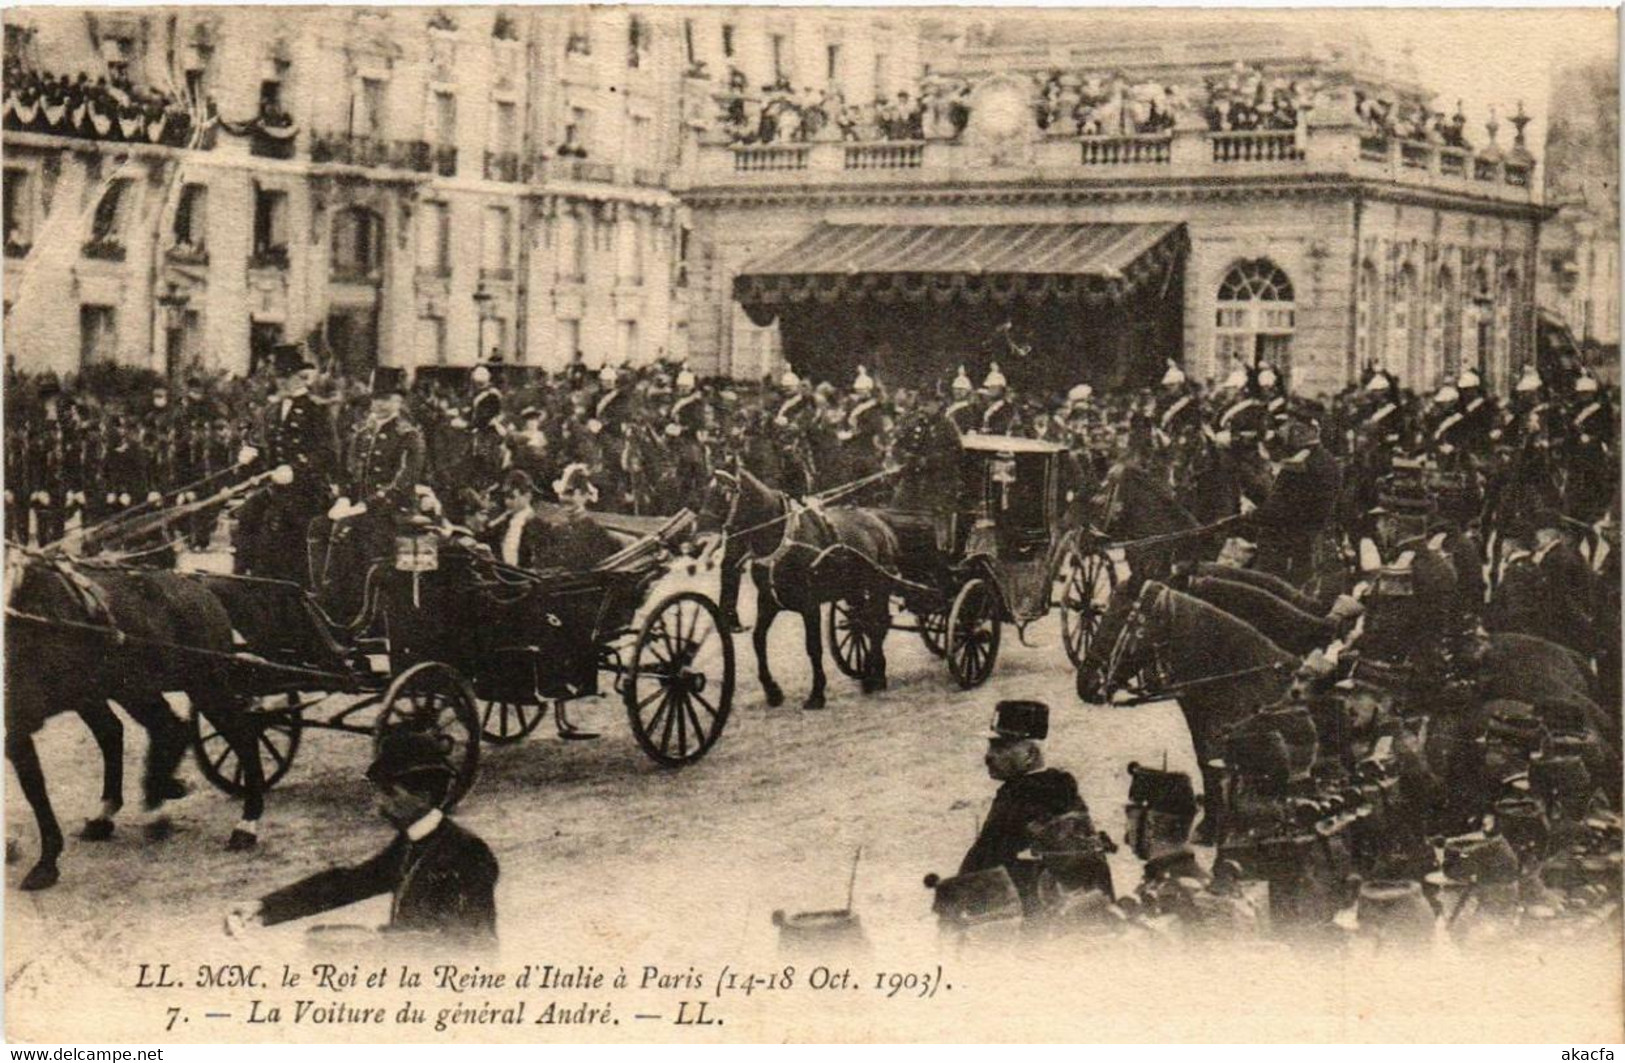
(1266,377)
(1446,395)
(481,376)
(1379,382)
(607,376)
(962,381)
(1586,384)
(685,379)
(1080,393)
(1467,379)
(1173,376)
(1237,380)
(788,379)
(1529,380)
(994,379)
(864,382)
(576,477)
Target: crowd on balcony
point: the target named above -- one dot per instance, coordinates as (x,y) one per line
(1386,119)
(1105,105)
(1246,100)
(107,108)
(937,110)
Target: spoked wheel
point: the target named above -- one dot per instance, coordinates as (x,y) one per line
(973,634)
(1088,580)
(850,645)
(680,680)
(934,631)
(506,722)
(278,741)
(434,699)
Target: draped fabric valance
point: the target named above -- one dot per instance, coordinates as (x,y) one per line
(967,264)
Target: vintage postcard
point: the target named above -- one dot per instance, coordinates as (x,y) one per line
(533,524)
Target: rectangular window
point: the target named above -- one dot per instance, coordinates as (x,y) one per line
(778,56)
(431,341)
(643,146)
(832,66)
(98,334)
(495,331)
(270,96)
(270,221)
(19,213)
(192,217)
(727,41)
(572,248)
(581,122)
(367,109)
(445,119)
(880,73)
(629,343)
(194,86)
(496,239)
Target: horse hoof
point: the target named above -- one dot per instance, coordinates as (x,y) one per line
(874,686)
(97,830)
(775,697)
(734,627)
(170,789)
(159,829)
(815,701)
(42,877)
(241,841)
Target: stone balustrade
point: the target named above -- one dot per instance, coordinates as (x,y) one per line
(1187,154)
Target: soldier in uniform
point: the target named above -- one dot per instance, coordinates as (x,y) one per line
(1299,506)
(1245,422)
(297,444)
(1029,796)
(442,877)
(1178,412)
(690,436)
(487,428)
(962,411)
(1593,474)
(383,464)
(1478,413)
(611,414)
(1161,809)
(794,426)
(1000,414)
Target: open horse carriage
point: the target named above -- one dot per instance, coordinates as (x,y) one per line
(1006,552)
(470,650)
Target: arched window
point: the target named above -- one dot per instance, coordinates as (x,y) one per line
(1256,316)
(358,244)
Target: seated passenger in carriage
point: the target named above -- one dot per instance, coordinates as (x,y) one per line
(573,540)
(515,537)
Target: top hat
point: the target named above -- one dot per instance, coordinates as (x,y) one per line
(388,380)
(411,760)
(1020,719)
(1162,791)
(289,358)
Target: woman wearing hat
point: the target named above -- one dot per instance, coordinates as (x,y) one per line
(573,540)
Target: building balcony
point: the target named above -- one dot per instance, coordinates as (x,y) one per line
(349,149)
(445,161)
(585,170)
(1190,155)
(185,253)
(497,274)
(104,249)
(269,258)
(414,155)
(646,177)
(502,166)
(277,144)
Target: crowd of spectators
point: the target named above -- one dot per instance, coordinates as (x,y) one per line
(107,108)
(1385,118)
(1246,100)
(937,110)
(1106,105)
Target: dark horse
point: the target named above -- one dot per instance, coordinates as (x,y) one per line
(1218,668)
(62,656)
(801,557)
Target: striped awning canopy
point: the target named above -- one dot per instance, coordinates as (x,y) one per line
(973,263)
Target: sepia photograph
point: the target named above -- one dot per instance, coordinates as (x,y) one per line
(764,524)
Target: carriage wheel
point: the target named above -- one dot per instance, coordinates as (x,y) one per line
(434,699)
(503,723)
(278,739)
(934,630)
(850,645)
(1089,579)
(680,681)
(973,634)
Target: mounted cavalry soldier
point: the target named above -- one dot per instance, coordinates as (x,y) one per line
(49,439)
(1000,415)
(1246,421)
(793,428)
(1591,453)
(487,428)
(1478,413)
(688,435)
(1300,504)
(962,412)
(1178,412)
(295,443)
(863,437)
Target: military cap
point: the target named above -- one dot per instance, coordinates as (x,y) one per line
(1473,858)
(410,759)
(1020,719)
(1169,792)
(289,358)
